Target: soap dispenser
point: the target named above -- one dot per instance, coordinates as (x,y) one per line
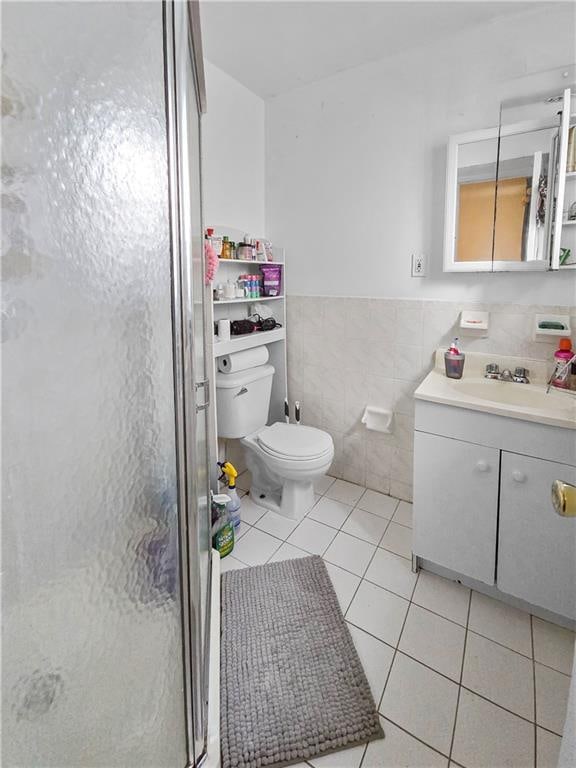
(454,361)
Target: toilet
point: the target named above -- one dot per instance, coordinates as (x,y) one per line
(284,459)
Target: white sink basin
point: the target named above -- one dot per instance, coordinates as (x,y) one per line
(511,393)
(505,398)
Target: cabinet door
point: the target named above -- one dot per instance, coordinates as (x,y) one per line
(456,504)
(536,547)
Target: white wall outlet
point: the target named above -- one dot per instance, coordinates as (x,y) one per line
(418,265)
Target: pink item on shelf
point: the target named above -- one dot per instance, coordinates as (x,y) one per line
(272,279)
(211,262)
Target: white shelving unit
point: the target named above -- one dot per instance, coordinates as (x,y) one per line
(242,308)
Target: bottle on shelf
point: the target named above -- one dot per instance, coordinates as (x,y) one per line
(225,248)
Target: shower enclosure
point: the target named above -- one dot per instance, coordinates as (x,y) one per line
(105,460)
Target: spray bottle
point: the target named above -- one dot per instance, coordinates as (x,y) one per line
(230,474)
(222,527)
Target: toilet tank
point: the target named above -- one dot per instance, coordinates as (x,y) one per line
(243,400)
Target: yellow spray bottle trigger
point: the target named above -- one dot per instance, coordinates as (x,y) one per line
(229,471)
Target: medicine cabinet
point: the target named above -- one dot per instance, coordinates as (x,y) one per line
(511,192)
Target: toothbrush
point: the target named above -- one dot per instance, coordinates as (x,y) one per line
(286,412)
(297,411)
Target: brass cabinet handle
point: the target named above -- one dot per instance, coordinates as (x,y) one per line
(564,498)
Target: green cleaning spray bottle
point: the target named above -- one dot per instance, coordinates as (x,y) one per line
(222,528)
(230,474)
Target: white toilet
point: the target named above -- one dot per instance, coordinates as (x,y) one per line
(284,459)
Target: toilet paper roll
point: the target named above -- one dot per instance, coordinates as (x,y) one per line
(240,361)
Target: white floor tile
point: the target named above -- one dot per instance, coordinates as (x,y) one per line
(378,612)
(288,552)
(330,512)
(347,493)
(376,658)
(553,645)
(322,483)
(350,553)
(551,698)
(276,525)
(434,641)
(499,674)
(421,701)
(403,514)
(378,503)
(365,526)
(487,736)
(312,536)
(230,563)
(250,512)
(344,758)
(255,547)
(400,750)
(398,539)
(501,622)
(442,596)
(345,584)
(547,749)
(392,572)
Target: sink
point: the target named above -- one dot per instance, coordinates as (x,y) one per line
(521,395)
(505,398)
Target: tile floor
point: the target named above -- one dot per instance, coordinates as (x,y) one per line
(460,679)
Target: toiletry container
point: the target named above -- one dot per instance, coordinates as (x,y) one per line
(562,371)
(454,361)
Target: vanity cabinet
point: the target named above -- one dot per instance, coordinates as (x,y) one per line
(456,488)
(536,547)
(483,508)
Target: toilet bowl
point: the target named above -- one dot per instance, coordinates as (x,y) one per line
(284,459)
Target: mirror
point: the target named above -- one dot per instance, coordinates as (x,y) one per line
(504,186)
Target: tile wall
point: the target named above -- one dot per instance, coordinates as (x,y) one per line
(345,353)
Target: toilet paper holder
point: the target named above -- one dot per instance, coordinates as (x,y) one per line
(378,419)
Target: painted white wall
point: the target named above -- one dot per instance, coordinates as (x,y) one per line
(355,163)
(233,149)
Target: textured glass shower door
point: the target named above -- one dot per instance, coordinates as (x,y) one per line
(102,567)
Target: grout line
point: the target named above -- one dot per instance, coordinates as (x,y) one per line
(474,632)
(534,690)
(359,583)
(461,676)
(413,735)
(397,644)
(374,637)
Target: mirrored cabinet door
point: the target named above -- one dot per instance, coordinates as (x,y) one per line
(563,230)
(511,191)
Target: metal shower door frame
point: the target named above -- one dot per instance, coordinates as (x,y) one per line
(182,46)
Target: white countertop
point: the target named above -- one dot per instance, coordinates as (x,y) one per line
(518,401)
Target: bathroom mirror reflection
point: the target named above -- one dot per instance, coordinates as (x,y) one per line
(505,203)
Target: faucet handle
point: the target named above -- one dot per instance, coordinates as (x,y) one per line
(492,371)
(521,373)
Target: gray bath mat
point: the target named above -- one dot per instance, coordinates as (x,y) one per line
(292,685)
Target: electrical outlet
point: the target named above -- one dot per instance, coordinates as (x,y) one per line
(418,265)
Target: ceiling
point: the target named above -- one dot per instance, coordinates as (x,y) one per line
(274,46)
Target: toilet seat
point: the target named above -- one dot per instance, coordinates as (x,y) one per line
(291,442)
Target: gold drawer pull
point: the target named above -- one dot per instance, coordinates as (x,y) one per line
(564,498)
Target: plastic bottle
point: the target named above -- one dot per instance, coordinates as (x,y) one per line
(233,506)
(562,371)
(225,248)
(222,527)
(454,361)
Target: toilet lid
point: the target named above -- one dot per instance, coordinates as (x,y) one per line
(293,441)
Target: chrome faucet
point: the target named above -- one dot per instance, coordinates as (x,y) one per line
(520,375)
